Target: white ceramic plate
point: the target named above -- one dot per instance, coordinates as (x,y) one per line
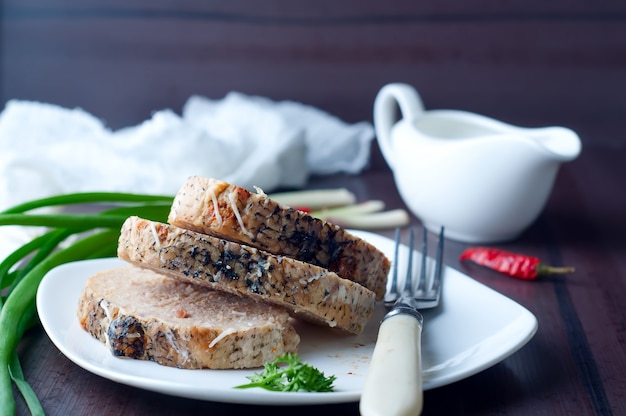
(473,328)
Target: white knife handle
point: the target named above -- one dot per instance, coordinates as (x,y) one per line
(393,386)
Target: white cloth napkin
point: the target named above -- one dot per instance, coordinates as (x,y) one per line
(246,140)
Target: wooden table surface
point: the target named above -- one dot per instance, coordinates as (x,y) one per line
(575,363)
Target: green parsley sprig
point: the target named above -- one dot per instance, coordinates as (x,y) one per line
(295,376)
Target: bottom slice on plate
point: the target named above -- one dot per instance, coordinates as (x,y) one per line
(145,315)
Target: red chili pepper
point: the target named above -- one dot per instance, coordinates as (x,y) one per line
(512,264)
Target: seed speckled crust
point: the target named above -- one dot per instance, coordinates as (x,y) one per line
(305,290)
(214,207)
(136,313)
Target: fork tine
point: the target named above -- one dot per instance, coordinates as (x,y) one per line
(422,281)
(428,284)
(394,274)
(438,262)
(408,282)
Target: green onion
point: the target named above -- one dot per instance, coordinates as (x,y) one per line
(375,220)
(88,198)
(339,207)
(365,215)
(50,242)
(30,397)
(66,238)
(316,198)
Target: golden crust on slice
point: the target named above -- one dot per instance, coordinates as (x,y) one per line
(145,315)
(217,208)
(305,290)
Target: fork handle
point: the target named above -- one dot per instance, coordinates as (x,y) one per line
(393,386)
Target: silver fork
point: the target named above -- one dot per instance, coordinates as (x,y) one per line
(393,385)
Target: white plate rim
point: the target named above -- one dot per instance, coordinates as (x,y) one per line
(503,342)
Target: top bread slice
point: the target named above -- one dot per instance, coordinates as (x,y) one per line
(146,315)
(217,208)
(305,290)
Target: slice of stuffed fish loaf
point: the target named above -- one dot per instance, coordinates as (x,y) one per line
(307,291)
(146,315)
(218,208)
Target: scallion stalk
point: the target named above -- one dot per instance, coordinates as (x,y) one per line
(18,309)
(22,271)
(315,199)
(88,198)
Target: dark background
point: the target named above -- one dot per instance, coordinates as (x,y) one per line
(526,62)
(530,63)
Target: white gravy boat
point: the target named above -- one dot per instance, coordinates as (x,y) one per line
(484,180)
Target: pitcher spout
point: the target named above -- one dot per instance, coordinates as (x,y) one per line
(561,143)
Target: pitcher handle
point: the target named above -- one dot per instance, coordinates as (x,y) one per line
(385,116)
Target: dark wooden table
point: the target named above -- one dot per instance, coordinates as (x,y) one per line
(530,63)
(575,364)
